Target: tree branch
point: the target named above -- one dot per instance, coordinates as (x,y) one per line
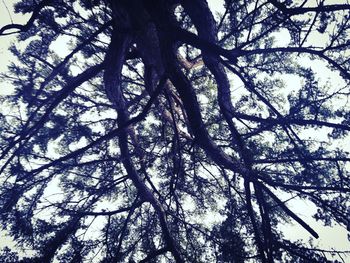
(23,28)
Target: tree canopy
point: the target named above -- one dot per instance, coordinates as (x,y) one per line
(174,131)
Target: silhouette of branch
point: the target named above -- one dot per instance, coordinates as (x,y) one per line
(23,28)
(110,135)
(303,10)
(154,254)
(309,50)
(290,121)
(289,212)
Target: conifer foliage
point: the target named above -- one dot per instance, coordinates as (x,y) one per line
(175,131)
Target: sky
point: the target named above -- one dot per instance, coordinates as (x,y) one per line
(330,237)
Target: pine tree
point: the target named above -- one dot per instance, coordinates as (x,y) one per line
(173,132)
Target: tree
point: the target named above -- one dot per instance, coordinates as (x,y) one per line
(171,133)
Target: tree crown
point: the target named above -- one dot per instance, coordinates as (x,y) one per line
(169,131)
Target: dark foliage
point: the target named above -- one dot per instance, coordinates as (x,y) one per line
(165,131)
